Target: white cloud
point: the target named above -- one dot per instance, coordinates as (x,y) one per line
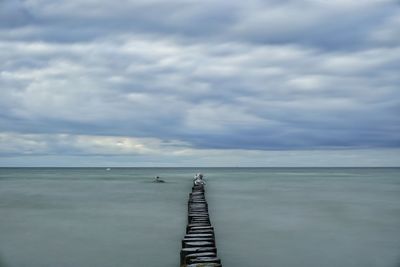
(259,75)
(67,144)
(387,33)
(40,150)
(156,89)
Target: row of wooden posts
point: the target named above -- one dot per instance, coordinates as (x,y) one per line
(198,245)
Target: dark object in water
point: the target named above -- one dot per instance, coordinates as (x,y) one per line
(158,180)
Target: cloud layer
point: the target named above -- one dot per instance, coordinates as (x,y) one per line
(187,75)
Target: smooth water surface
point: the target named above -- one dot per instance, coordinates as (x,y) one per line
(274,217)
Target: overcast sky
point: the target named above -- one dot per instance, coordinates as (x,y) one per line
(199,83)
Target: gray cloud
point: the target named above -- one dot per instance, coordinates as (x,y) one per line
(13,14)
(331,25)
(259,75)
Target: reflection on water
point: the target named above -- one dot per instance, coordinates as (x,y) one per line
(263,217)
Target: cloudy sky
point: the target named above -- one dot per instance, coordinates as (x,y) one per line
(199,83)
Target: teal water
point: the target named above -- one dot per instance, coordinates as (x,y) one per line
(274,217)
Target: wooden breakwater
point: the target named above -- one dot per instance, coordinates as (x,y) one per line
(198,245)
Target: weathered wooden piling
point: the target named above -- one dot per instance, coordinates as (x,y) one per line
(198,245)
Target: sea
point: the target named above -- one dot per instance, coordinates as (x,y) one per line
(263,217)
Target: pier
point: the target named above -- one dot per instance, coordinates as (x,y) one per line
(198,245)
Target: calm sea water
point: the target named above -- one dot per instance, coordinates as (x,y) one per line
(275,217)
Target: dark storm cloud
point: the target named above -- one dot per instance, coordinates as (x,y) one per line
(256,75)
